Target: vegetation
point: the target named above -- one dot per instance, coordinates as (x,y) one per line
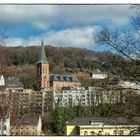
(20,62)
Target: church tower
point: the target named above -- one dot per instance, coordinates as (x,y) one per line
(42,69)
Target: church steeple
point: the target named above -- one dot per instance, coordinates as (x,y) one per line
(42,55)
(42,67)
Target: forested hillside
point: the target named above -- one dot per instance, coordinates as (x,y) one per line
(20,61)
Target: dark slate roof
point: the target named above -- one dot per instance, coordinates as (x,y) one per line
(29,120)
(106,121)
(12,81)
(63,78)
(42,55)
(3,111)
(98,72)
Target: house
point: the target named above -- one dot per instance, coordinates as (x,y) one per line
(98,75)
(2,81)
(129,84)
(100,126)
(4,121)
(47,80)
(13,84)
(28,125)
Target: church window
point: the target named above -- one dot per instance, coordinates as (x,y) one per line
(38,71)
(42,69)
(46,70)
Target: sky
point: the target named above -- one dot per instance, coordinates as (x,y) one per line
(61,25)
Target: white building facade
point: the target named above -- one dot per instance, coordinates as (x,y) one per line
(2,81)
(73,96)
(92,96)
(98,75)
(5,126)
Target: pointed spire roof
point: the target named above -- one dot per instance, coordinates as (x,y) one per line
(42,55)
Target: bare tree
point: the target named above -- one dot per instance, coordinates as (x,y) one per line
(4,60)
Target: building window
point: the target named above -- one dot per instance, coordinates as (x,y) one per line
(121,132)
(92,133)
(99,133)
(33,134)
(4,127)
(85,133)
(114,132)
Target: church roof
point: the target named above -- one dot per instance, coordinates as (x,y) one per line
(42,55)
(63,78)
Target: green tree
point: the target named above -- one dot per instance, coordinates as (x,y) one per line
(59,120)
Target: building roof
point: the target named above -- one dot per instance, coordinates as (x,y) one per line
(98,72)
(106,121)
(12,81)
(42,55)
(3,112)
(29,120)
(63,78)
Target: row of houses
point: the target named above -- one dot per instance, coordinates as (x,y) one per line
(19,126)
(21,101)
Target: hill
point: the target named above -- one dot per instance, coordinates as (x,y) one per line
(20,61)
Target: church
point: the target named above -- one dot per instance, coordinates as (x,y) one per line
(47,80)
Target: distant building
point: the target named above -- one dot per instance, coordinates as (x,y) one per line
(13,82)
(10,84)
(46,80)
(100,126)
(58,81)
(129,84)
(98,75)
(74,96)
(28,125)
(4,121)
(2,81)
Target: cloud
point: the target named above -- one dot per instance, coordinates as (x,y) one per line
(40,16)
(71,37)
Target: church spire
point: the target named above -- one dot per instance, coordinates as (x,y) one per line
(42,55)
